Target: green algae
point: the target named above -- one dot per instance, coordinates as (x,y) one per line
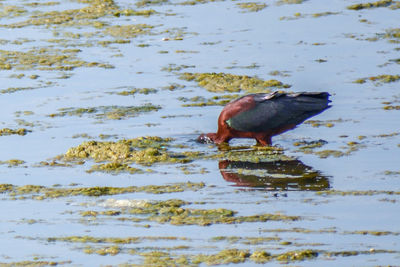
(330,153)
(281,2)
(145,151)
(111,250)
(107,112)
(144,91)
(348,253)
(112,240)
(245,240)
(391,107)
(114,168)
(223,257)
(195,2)
(297,255)
(145,3)
(380,79)
(8,131)
(44,58)
(252,6)
(12,162)
(357,193)
(11,90)
(128,31)
(392,172)
(279,73)
(314,15)
(253,154)
(374,233)
(381,3)
(174,67)
(87,15)
(199,101)
(326,123)
(260,256)
(323,14)
(172,212)
(35,263)
(223,82)
(41,192)
(310,145)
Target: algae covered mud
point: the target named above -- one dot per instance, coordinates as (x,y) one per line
(102,102)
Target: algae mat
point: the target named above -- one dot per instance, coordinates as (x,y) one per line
(102,102)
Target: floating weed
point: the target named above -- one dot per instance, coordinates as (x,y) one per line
(282,2)
(12,162)
(114,168)
(223,257)
(111,250)
(380,79)
(128,31)
(143,3)
(297,255)
(327,123)
(250,154)
(357,193)
(36,263)
(44,59)
(310,145)
(251,66)
(174,67)
(314,15)
(144,91)
(391,107)
(195,2)
(107,112)
(200,101)
(381,3)
(112,240)
(87,15)
(391,172)
(223,82)
(41,192)
(11,90)
(172,212)
(8,131)
(374,233)
(142,150)
(252,6)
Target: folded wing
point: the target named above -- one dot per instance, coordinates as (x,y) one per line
(274,111)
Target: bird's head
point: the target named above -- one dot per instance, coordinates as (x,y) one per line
(207,138)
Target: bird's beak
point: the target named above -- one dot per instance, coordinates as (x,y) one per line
(204,139)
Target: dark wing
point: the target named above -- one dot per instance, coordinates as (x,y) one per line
(277,110)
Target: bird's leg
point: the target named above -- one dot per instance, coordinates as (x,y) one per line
(264,141)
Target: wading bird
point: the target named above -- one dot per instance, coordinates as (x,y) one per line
(262,116)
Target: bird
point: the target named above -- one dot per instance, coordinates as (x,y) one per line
(261,116)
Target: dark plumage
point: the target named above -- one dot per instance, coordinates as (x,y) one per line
(262,116)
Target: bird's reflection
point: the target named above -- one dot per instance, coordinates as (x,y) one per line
(291,175)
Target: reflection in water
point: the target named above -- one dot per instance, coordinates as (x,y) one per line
(278,175)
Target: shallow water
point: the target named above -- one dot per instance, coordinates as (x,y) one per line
(345,193)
